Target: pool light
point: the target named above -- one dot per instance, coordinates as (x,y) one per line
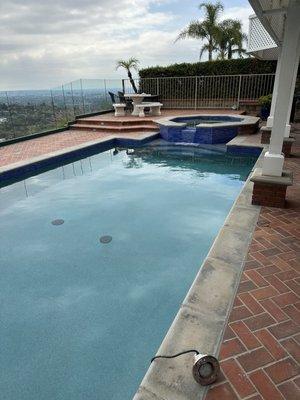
(205,369)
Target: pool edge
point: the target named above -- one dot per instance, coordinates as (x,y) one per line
(203,315)
(18,170)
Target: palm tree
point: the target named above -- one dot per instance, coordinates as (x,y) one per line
(230,38)
(206,29)
(237,38)
(222,38)
(132,63)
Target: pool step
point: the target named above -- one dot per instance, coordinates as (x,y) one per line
(115,129)
(116,122)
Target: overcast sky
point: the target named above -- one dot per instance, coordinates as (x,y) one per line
(46,43)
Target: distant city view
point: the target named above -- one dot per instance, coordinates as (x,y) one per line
(24,112)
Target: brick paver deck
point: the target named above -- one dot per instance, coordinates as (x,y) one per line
(260,353)
(58,141)
(28,149)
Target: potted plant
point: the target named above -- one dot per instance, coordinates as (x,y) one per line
(265,106)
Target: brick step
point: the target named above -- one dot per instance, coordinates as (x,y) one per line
(115,129)
(107,122)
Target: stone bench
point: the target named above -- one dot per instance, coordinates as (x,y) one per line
(119,109)
(154,108)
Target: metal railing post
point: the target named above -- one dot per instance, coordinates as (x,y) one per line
(72,95)
(53,109)
(10,115)
(105,90)
(239,92)
(64,98)
(196,91)
(82,97)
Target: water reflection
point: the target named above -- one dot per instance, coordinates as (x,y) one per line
(178,158)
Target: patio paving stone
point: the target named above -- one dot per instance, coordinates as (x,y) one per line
(273,267)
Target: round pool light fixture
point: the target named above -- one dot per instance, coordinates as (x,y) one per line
(205,369)
(58,221)
(105,239)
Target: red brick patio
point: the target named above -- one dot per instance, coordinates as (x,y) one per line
(58,141)
(260,353)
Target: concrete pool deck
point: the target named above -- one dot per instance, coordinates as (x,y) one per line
(263,326)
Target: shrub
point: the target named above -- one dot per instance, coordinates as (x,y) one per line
(265,101)
(219,67)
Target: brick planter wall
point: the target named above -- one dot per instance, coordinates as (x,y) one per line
(287,148)
(269,195)
(265,136)
(287,142)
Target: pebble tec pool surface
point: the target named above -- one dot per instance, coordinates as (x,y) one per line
(80,317)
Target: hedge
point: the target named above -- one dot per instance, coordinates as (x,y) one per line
(220,67)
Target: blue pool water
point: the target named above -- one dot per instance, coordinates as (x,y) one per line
(80,319)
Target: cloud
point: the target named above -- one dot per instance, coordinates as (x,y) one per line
(46,44)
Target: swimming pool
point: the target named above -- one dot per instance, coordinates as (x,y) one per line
(80,319)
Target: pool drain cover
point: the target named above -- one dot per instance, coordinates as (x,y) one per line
(105,239)
(57,222)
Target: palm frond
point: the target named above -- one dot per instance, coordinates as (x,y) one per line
(193,31)
(132,62)
(212,11)
(204,48)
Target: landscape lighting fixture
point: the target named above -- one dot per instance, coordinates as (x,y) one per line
(205,369)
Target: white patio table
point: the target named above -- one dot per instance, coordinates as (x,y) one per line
(137,98)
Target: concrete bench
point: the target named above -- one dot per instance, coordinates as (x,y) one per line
(119,109)
(154,108)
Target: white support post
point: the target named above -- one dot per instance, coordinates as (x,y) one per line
(273,160)
(270,119)
(288,126)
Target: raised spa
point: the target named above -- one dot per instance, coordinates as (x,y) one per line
(207,129)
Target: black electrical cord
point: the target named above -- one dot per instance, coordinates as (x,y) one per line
(176,355)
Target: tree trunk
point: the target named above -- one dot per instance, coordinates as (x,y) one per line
(210,50)
(132,81)
(229,52)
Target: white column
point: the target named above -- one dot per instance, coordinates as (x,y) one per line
(273,160)
(275,91)
(288,126)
